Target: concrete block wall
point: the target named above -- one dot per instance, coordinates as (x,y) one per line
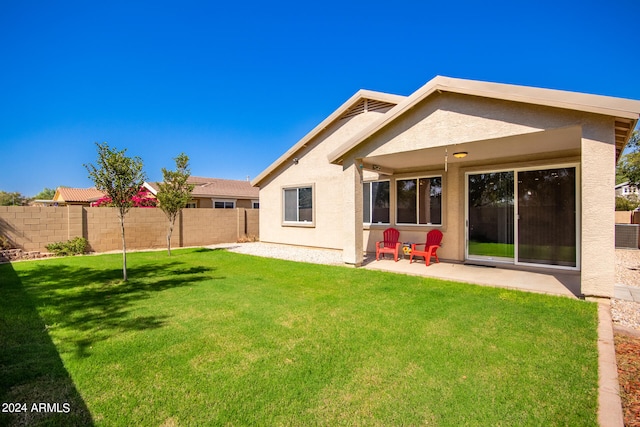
(32,228)
(252,222)
(198,226)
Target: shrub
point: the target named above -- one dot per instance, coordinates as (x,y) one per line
(5,243)
(626,204)
(75,246)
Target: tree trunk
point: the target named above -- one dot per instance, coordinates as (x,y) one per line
(124,251)
(172,221)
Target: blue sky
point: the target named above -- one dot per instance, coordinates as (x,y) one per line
(235,85)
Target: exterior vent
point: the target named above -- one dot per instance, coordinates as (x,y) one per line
(367,105)
(628,236)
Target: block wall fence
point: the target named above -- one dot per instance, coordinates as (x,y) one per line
(627,217)
(32,228)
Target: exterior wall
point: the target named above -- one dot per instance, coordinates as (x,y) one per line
(598,218)
(205,202)
(453,204)
(32,228)
(457,119)
(312,169)
(454,119)
(507,135)
(244,203)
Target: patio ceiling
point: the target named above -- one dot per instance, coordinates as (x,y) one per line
(487,151)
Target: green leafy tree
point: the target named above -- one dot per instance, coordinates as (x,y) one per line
(12,199)
(629,164)
(174,192)
(45,194)
(120,177)
(627,203)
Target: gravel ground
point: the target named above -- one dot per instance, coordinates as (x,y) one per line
(623,313)
(291,253)
(627,313)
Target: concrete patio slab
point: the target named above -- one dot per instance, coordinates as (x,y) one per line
(546,281)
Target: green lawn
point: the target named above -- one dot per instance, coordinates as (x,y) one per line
(209,337)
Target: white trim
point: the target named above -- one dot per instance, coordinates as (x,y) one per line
(299,223)
(364,223)
(417,224)
(225,201)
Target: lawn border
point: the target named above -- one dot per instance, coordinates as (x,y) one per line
(609,401)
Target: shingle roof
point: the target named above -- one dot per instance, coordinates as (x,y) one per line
(77,194)
(217,187)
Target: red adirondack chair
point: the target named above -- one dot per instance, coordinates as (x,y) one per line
(434,237)
(390,244)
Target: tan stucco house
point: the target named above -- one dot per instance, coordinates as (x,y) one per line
(76,196)
(218,193)
(511,175)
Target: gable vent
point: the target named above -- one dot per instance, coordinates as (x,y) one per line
(367,105)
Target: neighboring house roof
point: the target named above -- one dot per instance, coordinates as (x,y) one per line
(216,187)
(622,184)
(624,111)
(85,195)
(362,100)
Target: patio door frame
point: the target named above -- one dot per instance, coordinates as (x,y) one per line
(516,208)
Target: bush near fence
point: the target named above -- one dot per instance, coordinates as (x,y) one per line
(32,228)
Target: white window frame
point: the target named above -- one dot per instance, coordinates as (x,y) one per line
(192,204)
(297,222)
(371,201)
(224,201)
(417,223)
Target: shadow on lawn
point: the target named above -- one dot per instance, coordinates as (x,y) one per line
(95,304)
(83,305)
(31,370)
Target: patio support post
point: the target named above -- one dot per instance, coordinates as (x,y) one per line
(353,234)
(598,216)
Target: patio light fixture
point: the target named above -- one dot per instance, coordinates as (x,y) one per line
(460,154)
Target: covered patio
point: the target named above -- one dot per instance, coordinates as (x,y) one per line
(538,280)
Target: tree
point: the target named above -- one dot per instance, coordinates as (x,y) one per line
(142,199)
(119,177)
(12,199)
(45,194)
(174,192)
(629,164)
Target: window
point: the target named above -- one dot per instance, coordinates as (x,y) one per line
(224,204)
(298,204)
(255,204)
(376,202)
(192,205)
(419,201)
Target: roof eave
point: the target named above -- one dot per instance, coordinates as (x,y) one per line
(626,109)
(361,94)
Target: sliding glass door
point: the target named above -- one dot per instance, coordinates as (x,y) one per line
(490,216)
(547,217)
(523,216)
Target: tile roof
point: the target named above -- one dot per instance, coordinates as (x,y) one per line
(77,194)
(217,187)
